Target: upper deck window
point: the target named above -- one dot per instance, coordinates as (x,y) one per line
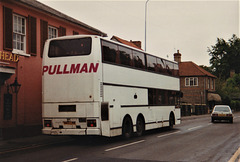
(139,59)
(125,56)
(70,47)
(151,63)
(109,52)
(161,65)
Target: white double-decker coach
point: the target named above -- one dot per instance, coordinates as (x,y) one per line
(94,86)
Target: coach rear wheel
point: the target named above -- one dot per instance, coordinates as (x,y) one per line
(140,126)
(127,128)
(171,121)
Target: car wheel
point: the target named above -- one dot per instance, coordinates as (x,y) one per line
(231,120)
(212,120)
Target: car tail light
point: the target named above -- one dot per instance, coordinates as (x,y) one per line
(214,114)
(229,114)
(47,123)
(91,123)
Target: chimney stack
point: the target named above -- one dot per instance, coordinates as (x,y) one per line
(177,56)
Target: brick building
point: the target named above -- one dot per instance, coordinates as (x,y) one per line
(197,85)
(26,24)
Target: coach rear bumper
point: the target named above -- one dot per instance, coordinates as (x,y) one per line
(51,131)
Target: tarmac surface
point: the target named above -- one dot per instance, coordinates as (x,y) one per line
(17,144)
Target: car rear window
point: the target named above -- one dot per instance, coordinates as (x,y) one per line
(224,109)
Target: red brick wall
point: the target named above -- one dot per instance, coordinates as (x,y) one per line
(193,94)
(196,94)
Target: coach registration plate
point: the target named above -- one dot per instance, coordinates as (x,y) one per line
(222,115)
(69,122)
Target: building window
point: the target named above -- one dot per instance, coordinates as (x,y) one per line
(191,81)
(212,84)
(52,32)
(208,83)
(19,33)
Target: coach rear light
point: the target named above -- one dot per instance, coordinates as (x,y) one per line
(91,123)
(48,123)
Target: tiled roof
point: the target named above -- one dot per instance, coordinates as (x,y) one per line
(191,69)
(40,6)
(125,42)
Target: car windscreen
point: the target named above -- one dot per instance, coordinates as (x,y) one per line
(70,47)
(224,109)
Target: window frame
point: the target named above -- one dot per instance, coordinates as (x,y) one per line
(212,84)
(208,83)
(50,31)
(188,81)
(22,33)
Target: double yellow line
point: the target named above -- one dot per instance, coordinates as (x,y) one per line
(235,156)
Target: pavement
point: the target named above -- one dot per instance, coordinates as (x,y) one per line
(17,144)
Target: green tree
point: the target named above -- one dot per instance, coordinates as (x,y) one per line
(225,56)
(207,68)
(232,87)
(229,90)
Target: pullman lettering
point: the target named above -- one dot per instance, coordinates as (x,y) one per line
(71,69)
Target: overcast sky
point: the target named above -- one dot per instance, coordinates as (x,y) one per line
(188,25)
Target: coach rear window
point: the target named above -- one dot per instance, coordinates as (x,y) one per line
(70,47)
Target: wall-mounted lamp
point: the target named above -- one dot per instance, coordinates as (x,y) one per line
(15,86)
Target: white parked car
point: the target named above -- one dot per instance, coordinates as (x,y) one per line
(222,112)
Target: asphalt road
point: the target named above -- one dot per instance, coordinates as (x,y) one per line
(195,139)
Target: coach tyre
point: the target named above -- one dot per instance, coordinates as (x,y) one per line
(127,127)
(171,121)
(140,126)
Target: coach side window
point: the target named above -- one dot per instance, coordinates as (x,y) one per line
(109,52)
(138,60)
(125,56)
(152,97)
(161,65)
(151,63)
(169,67)
(161,97)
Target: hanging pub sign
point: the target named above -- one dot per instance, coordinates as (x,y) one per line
(6,56)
